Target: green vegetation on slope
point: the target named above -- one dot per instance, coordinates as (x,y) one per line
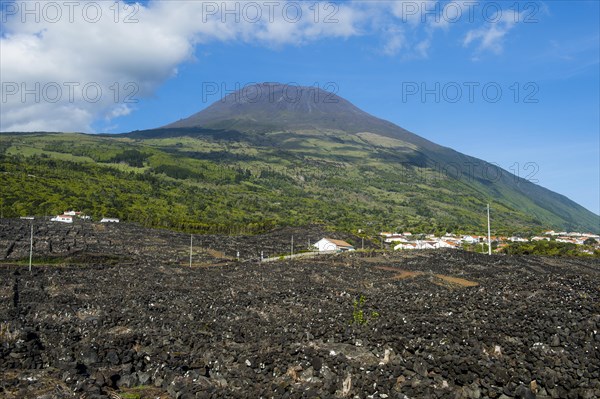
(211,183)
(550,248)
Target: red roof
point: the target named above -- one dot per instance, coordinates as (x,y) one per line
(339,243)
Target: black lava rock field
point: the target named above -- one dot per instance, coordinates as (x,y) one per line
(117,312)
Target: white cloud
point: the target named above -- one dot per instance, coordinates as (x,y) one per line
(491,36)
(422,48)
(130,49)
(415,12)
(62,75)
(395,41)
(119,110)
(406,27)
(102,54)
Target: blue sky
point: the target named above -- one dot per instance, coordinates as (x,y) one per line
(381,56)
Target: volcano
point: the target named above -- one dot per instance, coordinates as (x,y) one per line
(290,115)
(276,155)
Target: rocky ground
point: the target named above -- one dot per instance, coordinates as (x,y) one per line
(110,312)
(59,240)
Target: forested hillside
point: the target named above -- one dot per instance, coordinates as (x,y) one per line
(224,182)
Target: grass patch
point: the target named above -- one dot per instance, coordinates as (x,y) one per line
(83,259)
(42,261)
(142,392)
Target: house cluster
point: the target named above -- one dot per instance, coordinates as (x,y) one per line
(406,240)
(69,217)
(563,236)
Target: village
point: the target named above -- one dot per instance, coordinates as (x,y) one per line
(408,240)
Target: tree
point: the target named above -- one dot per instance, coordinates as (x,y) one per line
(590,241)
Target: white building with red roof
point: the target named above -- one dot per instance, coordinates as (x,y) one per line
(329,244)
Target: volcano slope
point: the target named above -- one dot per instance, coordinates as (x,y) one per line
(444,324)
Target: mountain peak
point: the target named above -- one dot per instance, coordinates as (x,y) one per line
(283,97)
(272,107)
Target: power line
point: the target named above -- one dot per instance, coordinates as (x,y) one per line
(31,247)
(489,235)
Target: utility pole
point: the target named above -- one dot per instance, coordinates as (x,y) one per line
(363,243)
(489,234)
(191,247)
(31,247)
(292,251)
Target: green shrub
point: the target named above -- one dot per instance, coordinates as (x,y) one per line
(359,315)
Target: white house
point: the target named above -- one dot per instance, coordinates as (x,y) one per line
(518,239)
(425,244)
(419,244)
(408,245)
(109,220)
(470,239)
(566,240)
(395,238)
(62,219)
(445,244)
(329,244)
(452,241)
(540,238)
